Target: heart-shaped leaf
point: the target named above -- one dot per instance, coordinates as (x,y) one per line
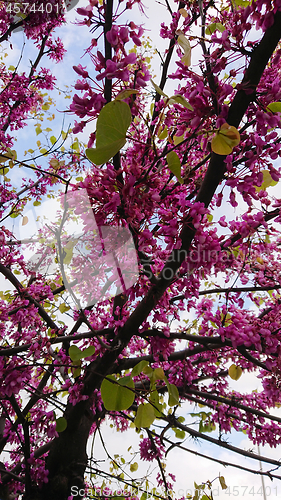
(145,416)
(112,125)
(116,394)
(275,107)
(174,165)
(225,140)
(234,372)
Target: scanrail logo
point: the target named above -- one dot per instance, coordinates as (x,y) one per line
(36,12)
(96,261)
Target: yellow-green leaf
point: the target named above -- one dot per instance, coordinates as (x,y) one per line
(145,416)
(139,368)
(275,107)
(158,90)
(185,45)
(63,308)
(225,140)
(162,133)
(124,94)
(234,372)
(222,483)
(211,28)
(134,467)
(74,353)
(179,99)
(173,395)
(267,181)
(112,125)
(174,165)
(117,394)
(178,139)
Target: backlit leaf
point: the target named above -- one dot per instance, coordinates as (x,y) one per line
(222,483)
(179,99)
(116,394)
(174,165)
(211,28)
(158,90)
(74,353)
(267,181)
(173,394)
(112,125)
(134,467)
(124,94)
(89,351)
(145,416)
(275,107)
(101,155)
(139,368)
(225,140)
(24,220)
(234,372)
(185,45)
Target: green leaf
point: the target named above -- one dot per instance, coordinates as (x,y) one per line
(211,28)
(115,393)
(178,139)
(154,399)
(222,483)
(134,467)
(112,125)
(101,155)
(138,368)
(173,394)
(179,99)
(275,107)
(61,424)
(125,93)
(77,372)
(63,308)
(88,352)
(162,133)
(53,140)
(38,130)
(179,433)
(74,353)
(159,374)
(225,140)
(174,165)
(267,181)
(235,372)
(241,3)
(158,90)
(147,370)
(145,416)
(185,45)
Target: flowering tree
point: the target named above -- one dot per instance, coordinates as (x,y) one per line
(141,295)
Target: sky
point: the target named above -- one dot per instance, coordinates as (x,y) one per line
(187,467)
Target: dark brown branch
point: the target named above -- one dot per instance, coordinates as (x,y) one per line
(220,443)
